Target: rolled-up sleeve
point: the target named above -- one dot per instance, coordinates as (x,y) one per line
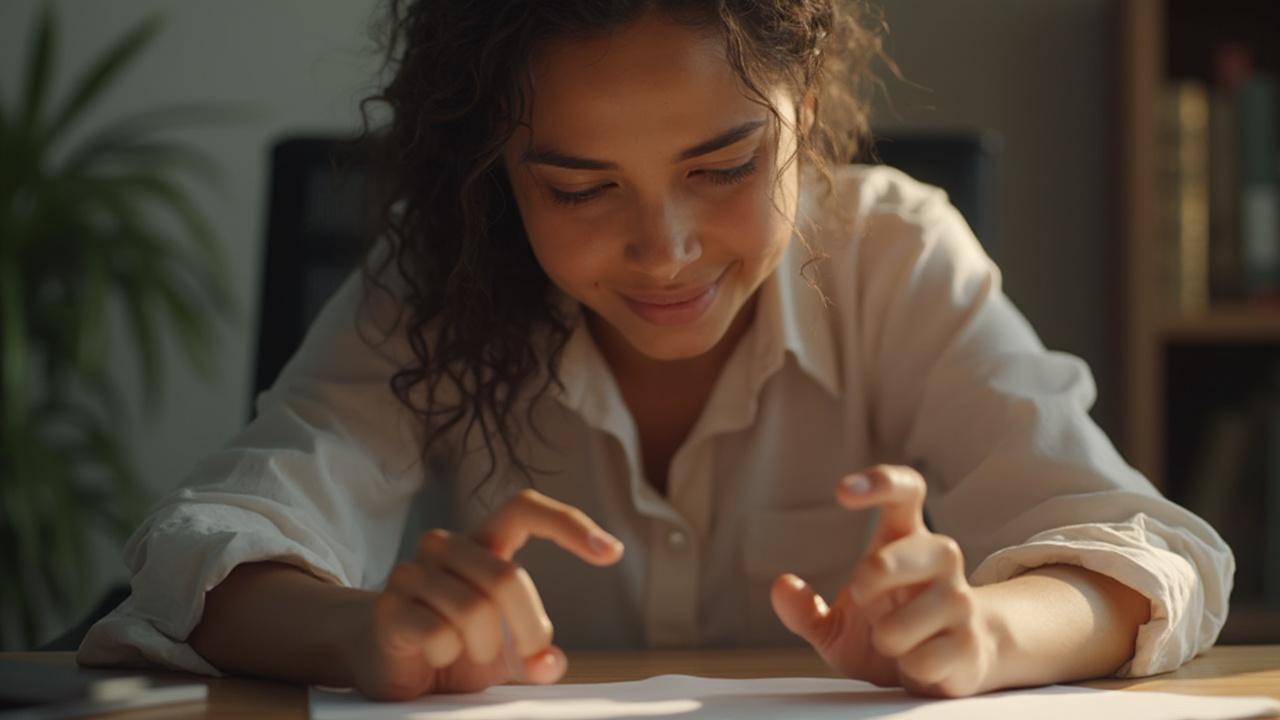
(321,479)
(1018,472)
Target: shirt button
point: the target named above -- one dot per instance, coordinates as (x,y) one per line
(677,540)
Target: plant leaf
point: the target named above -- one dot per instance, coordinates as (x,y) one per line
(172,196)
(134,248)
(139,318)
(102,72)
(4,132)
(193,335)
(123,510)
(13,332)
(109,397)
(18,499)
(39,66)
(91,318)
(9,569)
(212,264)
(156,156)
(140,124)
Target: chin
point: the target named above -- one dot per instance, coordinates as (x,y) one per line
(670,344)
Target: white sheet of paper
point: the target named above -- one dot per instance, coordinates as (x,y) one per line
(688,697)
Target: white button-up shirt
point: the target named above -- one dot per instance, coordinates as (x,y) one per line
(917,358)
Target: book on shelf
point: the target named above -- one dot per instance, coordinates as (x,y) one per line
(1186,155)
(1222,177)
(1225,261)
(1232,482)
(1218,469)
(1258,123)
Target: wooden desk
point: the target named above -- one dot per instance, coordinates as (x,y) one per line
(1231,670)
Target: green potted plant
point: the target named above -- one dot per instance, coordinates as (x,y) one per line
(81,236)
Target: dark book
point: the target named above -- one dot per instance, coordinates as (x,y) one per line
(1259,121)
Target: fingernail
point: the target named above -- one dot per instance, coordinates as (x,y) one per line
(601,543)
(857,484)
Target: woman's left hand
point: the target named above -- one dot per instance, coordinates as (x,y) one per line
(908,616)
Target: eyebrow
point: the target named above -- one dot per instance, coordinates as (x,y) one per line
(551,156)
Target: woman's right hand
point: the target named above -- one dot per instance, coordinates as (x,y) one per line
(438,627)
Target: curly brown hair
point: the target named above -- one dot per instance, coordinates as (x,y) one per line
(483,324)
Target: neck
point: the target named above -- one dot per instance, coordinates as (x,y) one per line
(630,366)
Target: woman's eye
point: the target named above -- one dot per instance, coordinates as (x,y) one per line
(565,197)
(732,175)
(728,176)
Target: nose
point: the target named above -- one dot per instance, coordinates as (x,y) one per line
(665,242)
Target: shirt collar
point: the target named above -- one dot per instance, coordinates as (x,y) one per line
(792,317)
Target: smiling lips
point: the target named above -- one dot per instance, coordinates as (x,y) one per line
(674,307)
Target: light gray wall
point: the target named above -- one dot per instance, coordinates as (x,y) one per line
(1033,70)
(1037,72)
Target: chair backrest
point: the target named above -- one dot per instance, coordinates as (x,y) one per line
(315,223)
(316,218)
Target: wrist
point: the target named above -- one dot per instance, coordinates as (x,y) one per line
(278,621)
(1004,650)
(353,629)
(1092,632)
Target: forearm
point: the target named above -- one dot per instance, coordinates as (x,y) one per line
(277,621)
(1061,623)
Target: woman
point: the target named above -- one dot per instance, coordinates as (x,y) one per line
(627,284)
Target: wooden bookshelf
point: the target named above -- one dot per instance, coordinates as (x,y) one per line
(1225,323)
(1156,340)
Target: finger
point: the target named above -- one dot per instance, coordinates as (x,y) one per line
(936,660)
(506,583)
(531,513)
(542,667)
(468,609)
(940,608)
(803,611)
(546,667)
(908,561)
(406,626)
(896,489)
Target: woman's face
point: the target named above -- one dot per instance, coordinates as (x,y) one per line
(645,180)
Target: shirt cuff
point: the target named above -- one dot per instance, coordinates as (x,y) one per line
(177,570)
(1130,553)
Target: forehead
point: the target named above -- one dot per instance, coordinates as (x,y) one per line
(654,83)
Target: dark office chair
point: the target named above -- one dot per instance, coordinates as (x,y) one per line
(316,218)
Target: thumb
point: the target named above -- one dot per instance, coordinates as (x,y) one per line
(802,611)
(546,667)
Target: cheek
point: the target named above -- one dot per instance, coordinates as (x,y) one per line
(747,226)
(568,251)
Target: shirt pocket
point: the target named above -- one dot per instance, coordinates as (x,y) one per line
(820,544)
